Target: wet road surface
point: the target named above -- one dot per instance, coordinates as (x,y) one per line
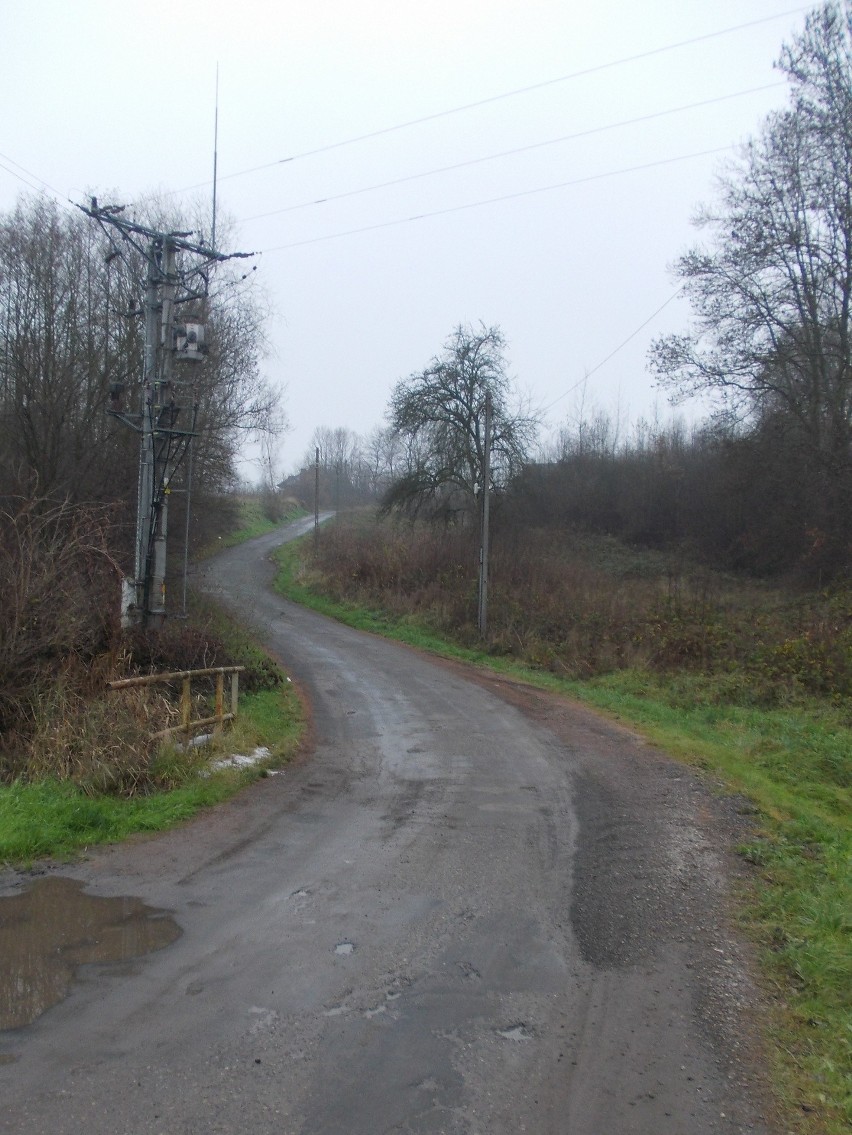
(474,909)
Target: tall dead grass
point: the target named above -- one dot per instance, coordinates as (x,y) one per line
(581,606)
(61,643)
(60,588)
(101,744)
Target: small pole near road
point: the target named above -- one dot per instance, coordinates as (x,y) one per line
(486,497)
(316,496)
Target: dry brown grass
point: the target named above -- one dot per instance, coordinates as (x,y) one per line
(60,588)
(581,606)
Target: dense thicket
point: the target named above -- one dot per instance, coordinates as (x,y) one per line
(747,501)
(55,571)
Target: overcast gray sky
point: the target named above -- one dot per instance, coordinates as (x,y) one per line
(564,242)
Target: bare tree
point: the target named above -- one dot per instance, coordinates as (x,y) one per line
(70,328)
(57,354)
(439,414)
(772,290)
(383,452)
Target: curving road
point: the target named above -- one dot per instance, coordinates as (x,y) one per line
(474,909)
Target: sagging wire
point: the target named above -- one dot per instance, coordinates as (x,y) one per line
(497,200)
(613,353)
(509,153)
(597,68)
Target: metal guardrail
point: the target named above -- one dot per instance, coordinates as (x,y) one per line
(185,678)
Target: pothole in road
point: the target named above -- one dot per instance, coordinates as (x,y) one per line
(344,949)
(515,1032)
(50,930)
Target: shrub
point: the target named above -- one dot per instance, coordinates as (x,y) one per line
(60,588)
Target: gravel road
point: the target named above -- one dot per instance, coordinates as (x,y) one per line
(471,908)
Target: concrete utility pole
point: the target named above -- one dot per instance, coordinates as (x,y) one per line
(163,446)
(159,455)
(486,501)
(157,416)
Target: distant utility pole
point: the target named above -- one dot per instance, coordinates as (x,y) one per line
(163,445)
(316,497)
(486,501)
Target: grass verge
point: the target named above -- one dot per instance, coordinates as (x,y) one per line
(793,763)
(255,519)
(52,818)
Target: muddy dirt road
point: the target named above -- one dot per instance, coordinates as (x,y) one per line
(474,909)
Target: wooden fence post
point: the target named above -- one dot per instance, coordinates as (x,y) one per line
(186,704)
(220,701)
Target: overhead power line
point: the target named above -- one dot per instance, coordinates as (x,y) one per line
(612,353)
(30,177)
(500,97)
(496,200)
(62,197)
(509,153)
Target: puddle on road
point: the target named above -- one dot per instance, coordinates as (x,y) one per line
(52,928)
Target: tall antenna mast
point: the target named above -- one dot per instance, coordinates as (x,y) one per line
(215,159)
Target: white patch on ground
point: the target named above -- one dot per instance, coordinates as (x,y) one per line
(241,760)
(264,1019)
(516,1032)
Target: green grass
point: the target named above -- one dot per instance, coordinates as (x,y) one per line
(794,765)
(253,521)
(57,819)
(49,818)
(793,762)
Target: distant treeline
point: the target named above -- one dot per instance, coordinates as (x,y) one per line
(758,501)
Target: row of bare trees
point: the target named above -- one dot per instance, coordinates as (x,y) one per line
(71,327)
(348,468)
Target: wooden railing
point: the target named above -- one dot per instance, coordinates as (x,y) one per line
(187,725)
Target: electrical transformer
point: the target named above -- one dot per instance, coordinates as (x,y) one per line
(189,342)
